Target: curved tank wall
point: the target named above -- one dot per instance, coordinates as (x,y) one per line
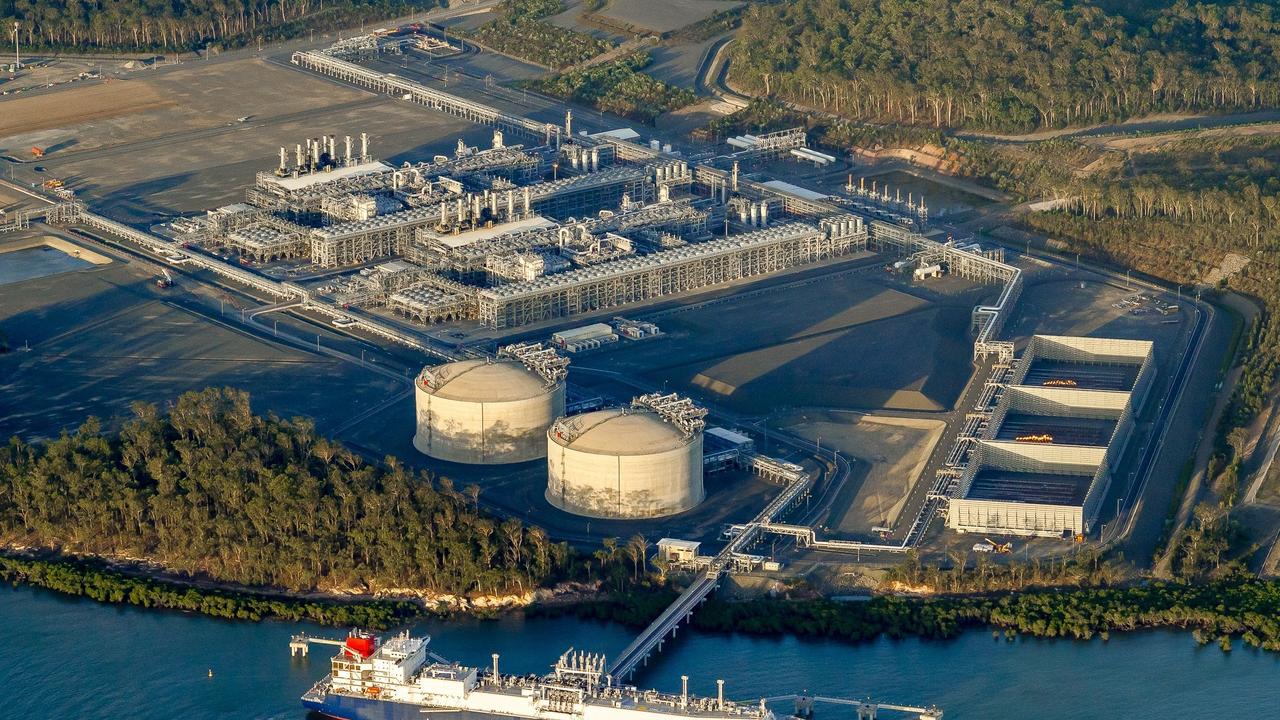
(622,464)
(484,413)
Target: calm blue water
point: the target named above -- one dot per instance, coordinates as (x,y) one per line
(69,658)
(36,262)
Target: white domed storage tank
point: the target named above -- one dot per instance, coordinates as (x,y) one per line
(623,463)
(484,412)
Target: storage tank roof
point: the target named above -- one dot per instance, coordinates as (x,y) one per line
(484,381)
(619,431)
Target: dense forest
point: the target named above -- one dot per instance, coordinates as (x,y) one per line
(183,24)
(518,30)
(1236,606)
(210,488)
(1010,65)
(618,87)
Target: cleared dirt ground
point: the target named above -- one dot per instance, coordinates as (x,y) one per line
(81,104)
(843,341)
(891,452)
(103,337)
(11,200)
(181,98)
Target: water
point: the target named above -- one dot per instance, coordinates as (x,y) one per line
(73,658)
(36,262)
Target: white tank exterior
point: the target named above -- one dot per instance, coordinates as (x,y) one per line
(623,464)
(484,413)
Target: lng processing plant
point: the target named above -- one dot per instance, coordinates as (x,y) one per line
(738,351)
(496,263)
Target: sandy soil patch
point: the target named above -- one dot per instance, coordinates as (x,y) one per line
(81,104)
(1148,143)
(193,96)
(891,453)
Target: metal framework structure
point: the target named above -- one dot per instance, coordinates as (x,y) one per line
(551,365)
(677,410)
(19,220)
(578,195)
(381,236)
(988,320)
(668,272)
(774,143)
(269,239)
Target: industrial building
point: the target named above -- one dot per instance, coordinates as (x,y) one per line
(516,234)
(492,410)
(1043,461)
(642,461)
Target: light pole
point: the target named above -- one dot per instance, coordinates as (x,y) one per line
(17,59)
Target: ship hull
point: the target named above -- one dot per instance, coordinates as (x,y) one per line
(346,707)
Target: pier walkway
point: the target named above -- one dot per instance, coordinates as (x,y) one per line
(651,639)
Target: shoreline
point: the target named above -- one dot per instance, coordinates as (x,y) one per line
(106,579)
(1238,607)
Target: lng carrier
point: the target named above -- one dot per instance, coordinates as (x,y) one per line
(400,678)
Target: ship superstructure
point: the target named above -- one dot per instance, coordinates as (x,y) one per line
(401,678)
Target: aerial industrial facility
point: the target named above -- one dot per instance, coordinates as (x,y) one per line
(530,233)
(1044,459)
(547,224)
(509,236)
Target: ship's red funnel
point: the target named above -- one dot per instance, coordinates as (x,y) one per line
(362,643)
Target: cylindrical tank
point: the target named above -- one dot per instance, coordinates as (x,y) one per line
(485,413)
(622,463)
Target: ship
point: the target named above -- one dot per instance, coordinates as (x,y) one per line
(401,678)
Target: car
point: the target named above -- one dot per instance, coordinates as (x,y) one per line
(39,168)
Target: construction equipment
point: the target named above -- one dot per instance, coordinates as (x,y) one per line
(37,152)
(52,184)
(164,282)
(1001,548)
(1042,438)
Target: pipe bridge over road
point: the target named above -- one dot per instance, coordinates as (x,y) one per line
(681,610)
